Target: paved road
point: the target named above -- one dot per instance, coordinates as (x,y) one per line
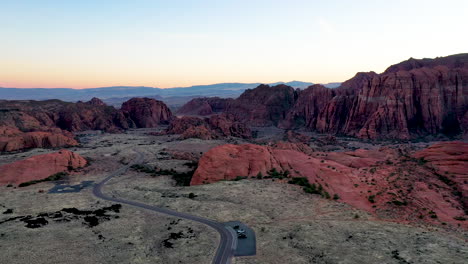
(226,244)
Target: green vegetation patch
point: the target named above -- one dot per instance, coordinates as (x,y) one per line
(312,188)
(181,178)
(53,177)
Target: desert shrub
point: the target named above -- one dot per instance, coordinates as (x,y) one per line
(301,181)
(459,218)
(191,195)
(320,188)
(191,164)
(421,161)
(432,214)
(274,173)
(259,175)
(399,203)
(336,196)
(53,177)
(143,168)
(182,178)
(371,198)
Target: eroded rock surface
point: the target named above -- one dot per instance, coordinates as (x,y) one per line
(40,167)
(393,183)
(146,112)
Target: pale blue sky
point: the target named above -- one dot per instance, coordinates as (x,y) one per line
(177,43)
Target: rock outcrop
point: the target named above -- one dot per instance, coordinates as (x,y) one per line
(204,106)
(264,105)
(39,167)
(57,116)
(393,183)
(146,112)
(95,101)
(21,141)
(50,123)
(213,127)
(411,99)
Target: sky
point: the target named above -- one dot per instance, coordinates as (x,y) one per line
(175,43)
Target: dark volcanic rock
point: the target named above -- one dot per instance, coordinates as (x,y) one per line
(146,112)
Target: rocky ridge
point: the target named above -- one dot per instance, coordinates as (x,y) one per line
(393,183)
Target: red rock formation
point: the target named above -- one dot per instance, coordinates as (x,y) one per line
(95,101)
(55,115)
(295,137)
(204,106)
(264,105)
(227,125)
(449,161)
(392,183)
(146,112)
(411,99)
(29,140)
(39,167)
(201,132)
(30,124)
(214,127)
(308,106)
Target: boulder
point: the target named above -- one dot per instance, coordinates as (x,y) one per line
(40,167)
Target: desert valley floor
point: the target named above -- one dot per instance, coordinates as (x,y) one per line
(291,226)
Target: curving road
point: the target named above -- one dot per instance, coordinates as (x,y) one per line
(227,240)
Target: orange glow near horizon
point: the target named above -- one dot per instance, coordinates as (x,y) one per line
(86,44)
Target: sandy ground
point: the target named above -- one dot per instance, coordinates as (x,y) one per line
(291,226)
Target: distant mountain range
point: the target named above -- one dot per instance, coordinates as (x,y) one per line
(117,94)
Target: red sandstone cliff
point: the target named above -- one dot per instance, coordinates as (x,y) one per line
(411,99)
